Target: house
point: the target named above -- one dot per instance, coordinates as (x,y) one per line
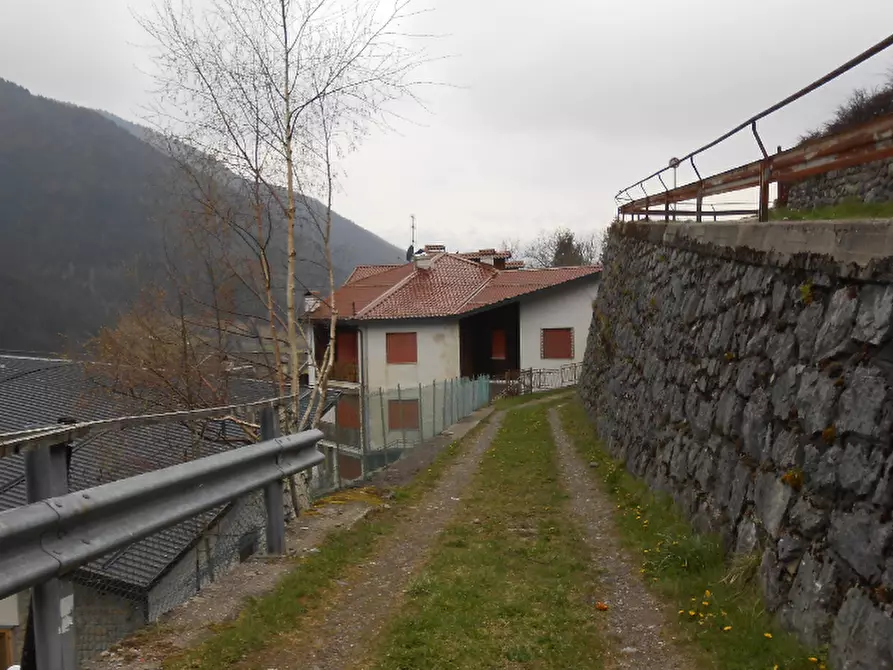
(121,592)
(444,316)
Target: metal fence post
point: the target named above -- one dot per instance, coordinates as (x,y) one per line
(274,498)
(402,417)
(421,416)
(443,414)
(385,428)
(51,617)
(433,410)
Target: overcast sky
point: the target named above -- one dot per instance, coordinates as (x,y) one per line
(555,105)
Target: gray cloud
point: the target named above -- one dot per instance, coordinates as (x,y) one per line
(554,106)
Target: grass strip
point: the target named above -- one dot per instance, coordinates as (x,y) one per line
(508,584)
(304,588)
(515,401)
(719,604)
(849,209)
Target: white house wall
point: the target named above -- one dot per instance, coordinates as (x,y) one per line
(567,307)
(438,354)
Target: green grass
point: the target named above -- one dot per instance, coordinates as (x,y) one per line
(719,605)
(304,588)
(508,584)
(853,209)
(513,401)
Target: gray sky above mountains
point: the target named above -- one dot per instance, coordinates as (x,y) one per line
(553,106)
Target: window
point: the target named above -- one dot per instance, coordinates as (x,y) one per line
(403,414)
(557,343)
(401,348)
(497,345)
(347,412)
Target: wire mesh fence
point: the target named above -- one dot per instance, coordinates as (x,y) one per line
(371,430)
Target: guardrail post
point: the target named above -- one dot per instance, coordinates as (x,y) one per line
(51,618)
(274,496)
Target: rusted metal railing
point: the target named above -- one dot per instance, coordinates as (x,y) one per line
(862,144)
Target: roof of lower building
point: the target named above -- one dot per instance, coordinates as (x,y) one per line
(443,285)
(38,392)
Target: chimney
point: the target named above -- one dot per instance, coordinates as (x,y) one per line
(311,301)
(422,261)
(434,249)
(487,256)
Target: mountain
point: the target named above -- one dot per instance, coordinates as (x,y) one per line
(82,201)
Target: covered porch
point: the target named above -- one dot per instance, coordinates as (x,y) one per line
(490,343)
(347,351)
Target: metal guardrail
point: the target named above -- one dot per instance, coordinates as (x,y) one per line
(58,532)
(871,141)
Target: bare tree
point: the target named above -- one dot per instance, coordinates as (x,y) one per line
(257,100)
(563,247)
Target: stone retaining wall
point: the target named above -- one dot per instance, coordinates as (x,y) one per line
(872,182)
(752,382)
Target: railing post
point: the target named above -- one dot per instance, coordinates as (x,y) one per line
(274,497)
(51,618)
(699,208)
(764,191)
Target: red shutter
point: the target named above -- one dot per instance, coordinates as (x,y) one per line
(347,412)
(403,414)
(497,347)
(401,348)
(346,349)
(349,467)
(558,343)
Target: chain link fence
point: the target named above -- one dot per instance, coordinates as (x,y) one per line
(371,430)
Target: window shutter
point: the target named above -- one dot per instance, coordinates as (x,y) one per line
(557,343)
(403,414)
(347,412)
(497,347)
(401,348)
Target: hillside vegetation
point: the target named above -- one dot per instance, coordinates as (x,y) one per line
(83,206)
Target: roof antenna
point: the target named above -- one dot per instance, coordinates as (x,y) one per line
(411,251)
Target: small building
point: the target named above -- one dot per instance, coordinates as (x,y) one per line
(445,316)
(123,591)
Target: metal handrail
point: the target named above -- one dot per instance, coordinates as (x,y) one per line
(751,122)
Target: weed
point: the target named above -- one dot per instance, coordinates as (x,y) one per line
(793,478)
(806,294)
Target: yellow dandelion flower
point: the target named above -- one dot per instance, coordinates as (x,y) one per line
(681,611)
(768,636)
(691,612)
(813,659)
(727,628)
(707,593)
(705,603)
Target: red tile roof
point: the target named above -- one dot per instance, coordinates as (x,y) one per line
(451,286)
(364,271)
